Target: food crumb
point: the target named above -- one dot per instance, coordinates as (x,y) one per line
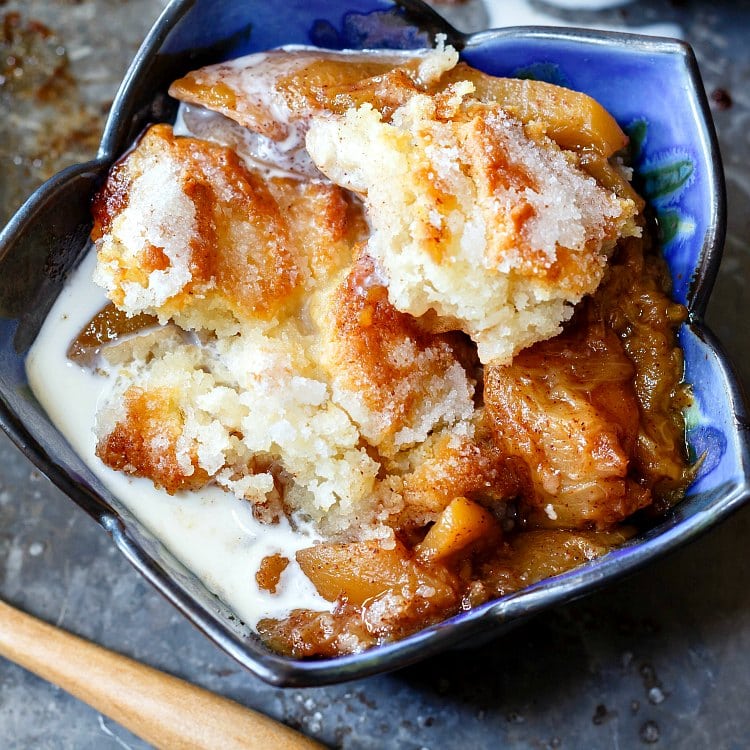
(601,714)
(649,733)
(270,570)
(721,98)
(550,511)
(315,724)
(627,660)
(36,85)
(656,695)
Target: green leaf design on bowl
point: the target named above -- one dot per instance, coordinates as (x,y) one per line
(674,225)
(637,131)
(666,179)
(543,71)
(662,179)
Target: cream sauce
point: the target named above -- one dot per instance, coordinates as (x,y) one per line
(210,531)
(287,158)
(256,76)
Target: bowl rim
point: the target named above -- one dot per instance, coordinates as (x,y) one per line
(286,671)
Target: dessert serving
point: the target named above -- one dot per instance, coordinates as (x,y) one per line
(387,338)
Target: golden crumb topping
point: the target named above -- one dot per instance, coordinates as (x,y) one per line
(397,381)
(185,231)
(497,233)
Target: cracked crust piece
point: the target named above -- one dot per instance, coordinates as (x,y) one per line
(185,231)
(397,382)
(474,222)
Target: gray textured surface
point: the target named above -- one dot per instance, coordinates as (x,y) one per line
(663,658)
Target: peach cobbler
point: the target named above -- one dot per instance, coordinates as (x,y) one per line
(403,302)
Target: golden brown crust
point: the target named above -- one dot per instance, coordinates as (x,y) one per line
(324,221)
(144,442)
(391,374)
(494,172)
(497,233)
(447,466)
(250,243)
(239,246)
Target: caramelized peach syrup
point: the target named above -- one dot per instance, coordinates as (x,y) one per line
(592,421)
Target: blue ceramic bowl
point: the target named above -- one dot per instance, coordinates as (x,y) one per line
(651,86)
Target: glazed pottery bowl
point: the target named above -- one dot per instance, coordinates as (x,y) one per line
(653,89)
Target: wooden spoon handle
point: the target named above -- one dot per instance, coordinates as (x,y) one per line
(163,710)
